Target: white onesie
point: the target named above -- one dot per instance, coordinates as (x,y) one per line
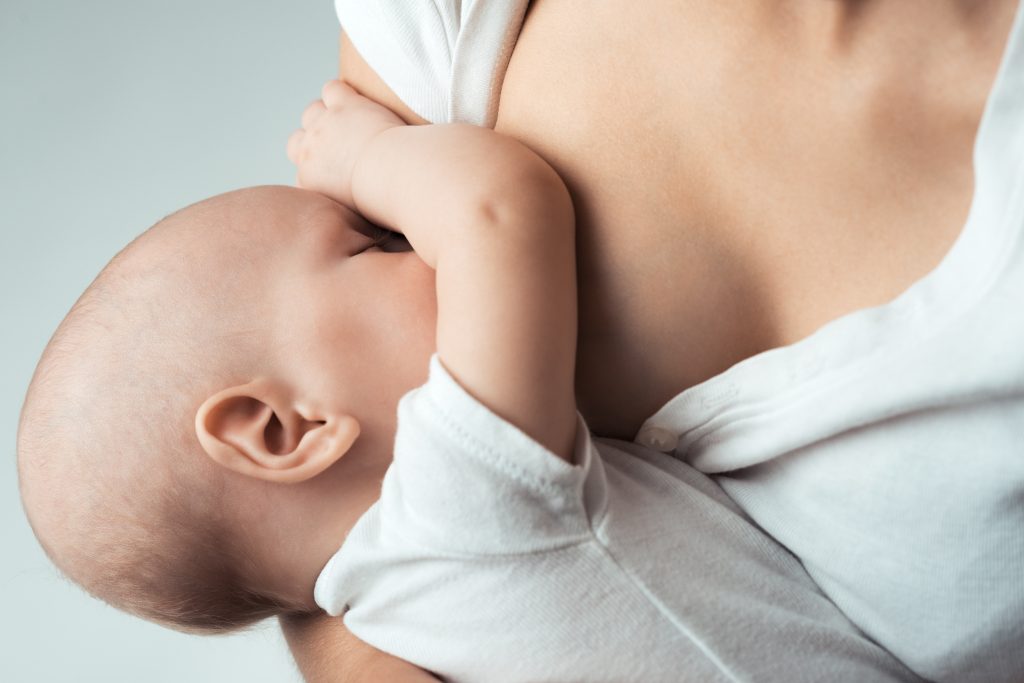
(488,558)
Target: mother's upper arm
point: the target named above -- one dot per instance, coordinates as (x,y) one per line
(354,70)
(326,652)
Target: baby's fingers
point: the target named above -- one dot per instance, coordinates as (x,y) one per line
(335,92)
(295,141)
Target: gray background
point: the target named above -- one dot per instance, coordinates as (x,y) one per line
(113,114)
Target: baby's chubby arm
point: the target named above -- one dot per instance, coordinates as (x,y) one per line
(497,224)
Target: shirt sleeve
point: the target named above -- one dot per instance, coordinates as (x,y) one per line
(445,59)
(466,481)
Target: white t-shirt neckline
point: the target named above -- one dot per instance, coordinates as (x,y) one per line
(842,348)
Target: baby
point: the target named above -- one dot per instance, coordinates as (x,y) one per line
(215,417)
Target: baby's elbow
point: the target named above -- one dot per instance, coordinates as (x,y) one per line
(529,199)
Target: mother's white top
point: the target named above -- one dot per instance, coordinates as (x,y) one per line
(887,449)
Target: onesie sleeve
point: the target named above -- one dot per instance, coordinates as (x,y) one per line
(466,489)
(466,481)
(445,59)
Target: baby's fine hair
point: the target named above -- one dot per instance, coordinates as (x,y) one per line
(113,478)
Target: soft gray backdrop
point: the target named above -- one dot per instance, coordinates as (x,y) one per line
(113,114)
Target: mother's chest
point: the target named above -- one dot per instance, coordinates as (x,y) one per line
(730,198)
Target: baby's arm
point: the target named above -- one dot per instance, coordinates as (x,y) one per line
(496,223)
(326,652)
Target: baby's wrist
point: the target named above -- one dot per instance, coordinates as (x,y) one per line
(373,167)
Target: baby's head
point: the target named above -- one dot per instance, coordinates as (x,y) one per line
(218,408)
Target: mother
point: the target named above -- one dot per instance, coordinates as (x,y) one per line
(794,163)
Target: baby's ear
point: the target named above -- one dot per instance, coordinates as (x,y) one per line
(256,429)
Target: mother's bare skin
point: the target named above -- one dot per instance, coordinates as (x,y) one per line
(791,161)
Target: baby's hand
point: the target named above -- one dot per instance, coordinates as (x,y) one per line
(335,131)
